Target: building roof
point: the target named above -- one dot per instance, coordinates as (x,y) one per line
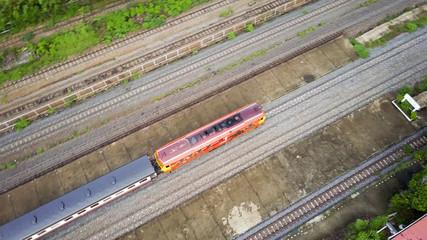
(415,231)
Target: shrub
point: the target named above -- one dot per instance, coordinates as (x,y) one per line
(413,115)
(353,41)
(40,150)
(361,50)
(70,100)
(231,35)
(365,229)
(28,36)
(11,165)
(421,22)
(407,149)
(51,111)
(405,90)
(423,85)
(224,14)
(249,28)
(411,27)
(399,97)
(405,106)
(413,198)
(21,124)
(421,155)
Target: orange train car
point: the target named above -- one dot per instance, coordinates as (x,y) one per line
(209,137)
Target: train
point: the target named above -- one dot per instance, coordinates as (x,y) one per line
(63,210)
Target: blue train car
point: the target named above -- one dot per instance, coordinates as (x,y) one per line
(80,201)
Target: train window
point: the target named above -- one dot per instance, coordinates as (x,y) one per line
(218,128)
(204,135)
(210,131)
(223,124)
(41,232)
(131,186)
(194,139)
(94,205)
(119,193)
(68,218)
(143,180)
(82,211)
(199,137)
(233,120)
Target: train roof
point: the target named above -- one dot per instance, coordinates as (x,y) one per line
(171,151)
(76,200)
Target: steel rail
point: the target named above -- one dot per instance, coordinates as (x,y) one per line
(231,165)
(43,99)
(11,181)
(121,42)
(20,141)
(343,186)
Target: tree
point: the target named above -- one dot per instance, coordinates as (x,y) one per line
(414,198)
(365,229)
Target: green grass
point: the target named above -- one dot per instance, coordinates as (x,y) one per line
(249,28)
(368,3)
(58,47)
(51,111)
(24,14)
(306,31)
(359,48)
(11,165)
(21,124)
(227,13)
(396,30)
(231,35)
(70,100)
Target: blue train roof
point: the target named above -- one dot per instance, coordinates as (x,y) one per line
(76,200)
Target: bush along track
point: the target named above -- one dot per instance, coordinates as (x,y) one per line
(57,47)
(362,50)
(20,14)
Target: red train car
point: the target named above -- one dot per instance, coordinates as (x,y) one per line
(209,137)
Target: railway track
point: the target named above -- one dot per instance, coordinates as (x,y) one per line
(168,78)
(72,150)
(313,114)
(117,43)
(44,98)
(336,190)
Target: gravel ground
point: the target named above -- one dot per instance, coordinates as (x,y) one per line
(289,119)
(106,104)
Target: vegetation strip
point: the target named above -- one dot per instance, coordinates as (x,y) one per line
(109,82)
(144,15)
